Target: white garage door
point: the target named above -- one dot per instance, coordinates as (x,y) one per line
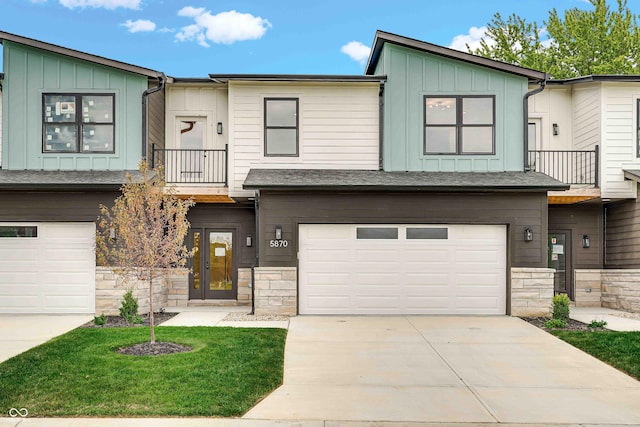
(402,269)
(47,268)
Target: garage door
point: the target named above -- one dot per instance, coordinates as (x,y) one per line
(47,268)
(402,269)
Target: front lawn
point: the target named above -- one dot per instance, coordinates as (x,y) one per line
(618,349)
(81,374)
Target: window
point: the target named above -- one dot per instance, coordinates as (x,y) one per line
(427,233)
(18,231)
(376,233)
(281,127)
(459,124)
(78,123)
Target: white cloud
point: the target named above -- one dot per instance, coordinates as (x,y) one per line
(166,30)
(472,38)
(106,4)
(38,1)
(356,51)
(141,25)
(223,28)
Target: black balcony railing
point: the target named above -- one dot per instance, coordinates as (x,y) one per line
(187,166)
(570,167)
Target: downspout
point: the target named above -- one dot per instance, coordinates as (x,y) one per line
(381,127)
(145,144)
(525,108)
(256,204)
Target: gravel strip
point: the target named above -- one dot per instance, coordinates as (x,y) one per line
(627,315)
(243,317)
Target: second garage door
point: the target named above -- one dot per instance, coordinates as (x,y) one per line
(402,269)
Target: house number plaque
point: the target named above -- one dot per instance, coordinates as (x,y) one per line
(278,243)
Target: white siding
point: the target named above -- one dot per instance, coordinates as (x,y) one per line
(553,105)
(338,128)
(586,117)
(618,148)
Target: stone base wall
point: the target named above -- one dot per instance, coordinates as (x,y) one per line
(588,290)
(244,286)
(177,290)
(531,291)
(621,289)
(275,290)
(110,288)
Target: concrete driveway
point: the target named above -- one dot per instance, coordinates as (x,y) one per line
(20,332)
(443,370)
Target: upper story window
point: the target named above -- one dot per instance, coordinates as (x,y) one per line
(281,127)
(459,124)
(75,123)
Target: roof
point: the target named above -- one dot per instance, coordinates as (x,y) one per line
(79,55)
(632,174)
(63,180)
(596,78)
(294,78)
(383,37)
(336,179)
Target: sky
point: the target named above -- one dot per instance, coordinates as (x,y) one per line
(192,38)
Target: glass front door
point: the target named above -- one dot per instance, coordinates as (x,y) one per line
(212,275)
(560,260)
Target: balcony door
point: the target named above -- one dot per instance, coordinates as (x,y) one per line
(213,266)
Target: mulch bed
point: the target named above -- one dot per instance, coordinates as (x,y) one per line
(153,349)
(119,322)
(572,325)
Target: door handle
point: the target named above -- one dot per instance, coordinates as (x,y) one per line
(206,266)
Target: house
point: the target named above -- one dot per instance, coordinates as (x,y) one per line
(72,125)
(584,131)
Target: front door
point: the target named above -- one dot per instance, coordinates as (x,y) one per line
(560,260)
(212,267)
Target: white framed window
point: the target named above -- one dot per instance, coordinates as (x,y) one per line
(281,127)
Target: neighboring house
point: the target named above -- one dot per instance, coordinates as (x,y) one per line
(584,131)
(72,125)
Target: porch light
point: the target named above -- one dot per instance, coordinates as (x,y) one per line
(219,128)
(556,129)
(112,234)
(249,241)
(278,232)
(528,234)
(586,243)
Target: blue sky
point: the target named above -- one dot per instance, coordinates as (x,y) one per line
(191,38)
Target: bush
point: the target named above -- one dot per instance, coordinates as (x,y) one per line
(129,307)
(598,324)
(561,307)
(555,324)
(99,320)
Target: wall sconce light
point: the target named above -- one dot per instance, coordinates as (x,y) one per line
(556,129)
(249,241)
(528,234)
(112,234)
(586,243)
(278,232)
(219,128)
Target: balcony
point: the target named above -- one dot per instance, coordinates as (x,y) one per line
(191,166)
(571,167)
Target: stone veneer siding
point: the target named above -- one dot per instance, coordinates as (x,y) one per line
(621,289)
(276,290)
(588,288)
(531,291)
(244,286)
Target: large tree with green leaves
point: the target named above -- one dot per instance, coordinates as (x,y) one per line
(582,42)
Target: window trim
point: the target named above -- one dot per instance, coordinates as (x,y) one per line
(297,126)
(459,126)
(78,123)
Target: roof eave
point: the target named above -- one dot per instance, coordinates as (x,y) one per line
(223,78)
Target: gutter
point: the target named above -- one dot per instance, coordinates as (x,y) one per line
(525,125)
(162,78)
(381,127)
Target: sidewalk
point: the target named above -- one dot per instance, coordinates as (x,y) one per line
(214,316)
(616,320)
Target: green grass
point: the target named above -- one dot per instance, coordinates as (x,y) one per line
(619,349)
(80,373)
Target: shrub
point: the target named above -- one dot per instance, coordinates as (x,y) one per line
(99,320)
(129,307)
(555,324)
(597,324)
(561,307)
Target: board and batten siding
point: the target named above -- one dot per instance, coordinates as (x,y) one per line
(29,73)
(619,139)
(552,105)
(338,127)
(413,74)
(623,234)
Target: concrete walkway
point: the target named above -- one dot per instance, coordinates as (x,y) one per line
(20,332)
(443,370)
(213,316)
(616,320)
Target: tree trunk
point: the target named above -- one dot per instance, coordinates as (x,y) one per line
(151,319)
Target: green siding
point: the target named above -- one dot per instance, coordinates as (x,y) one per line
(412,75)
(31,72)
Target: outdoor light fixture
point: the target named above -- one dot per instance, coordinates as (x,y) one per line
(278,232)
(112,234)
(556,129)
(528,234)
(219,128)
(586,243)
(249,241)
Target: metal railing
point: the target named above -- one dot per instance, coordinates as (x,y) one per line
(569,166)
(190,166)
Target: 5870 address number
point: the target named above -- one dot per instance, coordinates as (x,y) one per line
(278,243)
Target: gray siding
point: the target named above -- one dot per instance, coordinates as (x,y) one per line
(623,235)
(580,220)
(514,210)
(155,119)
(49,206)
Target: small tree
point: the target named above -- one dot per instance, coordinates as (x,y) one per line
(143,234)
